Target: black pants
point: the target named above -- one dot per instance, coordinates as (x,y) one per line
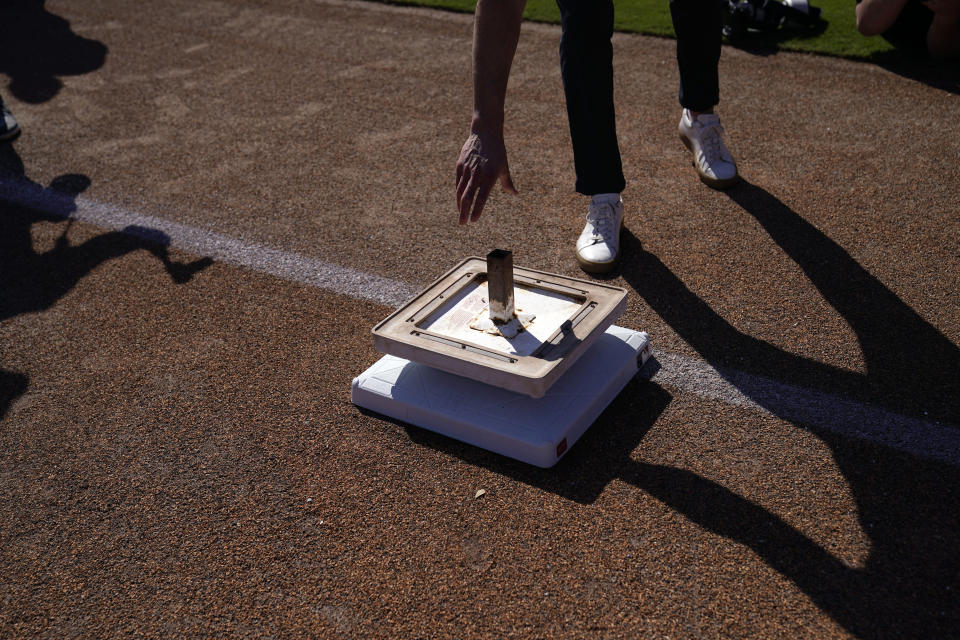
(586,63)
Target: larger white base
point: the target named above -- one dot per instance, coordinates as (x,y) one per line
(538,431)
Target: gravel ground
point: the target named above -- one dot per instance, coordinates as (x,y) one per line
(179,456)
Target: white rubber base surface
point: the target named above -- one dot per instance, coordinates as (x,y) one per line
(538,431)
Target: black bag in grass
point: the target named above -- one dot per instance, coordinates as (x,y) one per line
(744,16)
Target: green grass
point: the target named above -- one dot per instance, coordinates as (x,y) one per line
(652,17)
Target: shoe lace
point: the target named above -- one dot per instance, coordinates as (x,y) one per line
(711,142)
(602,216)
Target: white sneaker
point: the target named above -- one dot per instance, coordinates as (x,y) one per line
(704,137)
(598,247)
(8,124)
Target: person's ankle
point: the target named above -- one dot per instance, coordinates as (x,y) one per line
(605,197)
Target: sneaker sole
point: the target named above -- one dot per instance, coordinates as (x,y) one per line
(600,267)
(7,136)
(714,183)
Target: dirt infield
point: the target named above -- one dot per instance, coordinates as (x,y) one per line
(212,203)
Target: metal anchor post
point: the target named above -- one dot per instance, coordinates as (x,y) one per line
(500,285)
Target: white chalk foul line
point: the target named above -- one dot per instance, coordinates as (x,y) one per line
(820,411)
(288,266)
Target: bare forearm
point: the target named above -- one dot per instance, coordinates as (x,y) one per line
(876,16)
(495,36)
(483,158)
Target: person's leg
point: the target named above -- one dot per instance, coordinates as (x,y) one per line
(698,25)
(586,64)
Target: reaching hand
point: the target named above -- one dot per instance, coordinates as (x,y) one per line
(482,162)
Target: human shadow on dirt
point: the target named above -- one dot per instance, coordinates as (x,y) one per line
(906,503)
(906,587)
(912,368)
(12,386)
(32,280)
(38,47)
(920,68)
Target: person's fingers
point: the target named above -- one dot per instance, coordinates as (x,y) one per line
(462,180)
(459,171)
(466,200)
(465,211)
(482,194)
(475,197)
(473,190)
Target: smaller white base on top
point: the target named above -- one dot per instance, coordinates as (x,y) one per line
(538,431)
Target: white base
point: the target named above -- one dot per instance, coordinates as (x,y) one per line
(538,431)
